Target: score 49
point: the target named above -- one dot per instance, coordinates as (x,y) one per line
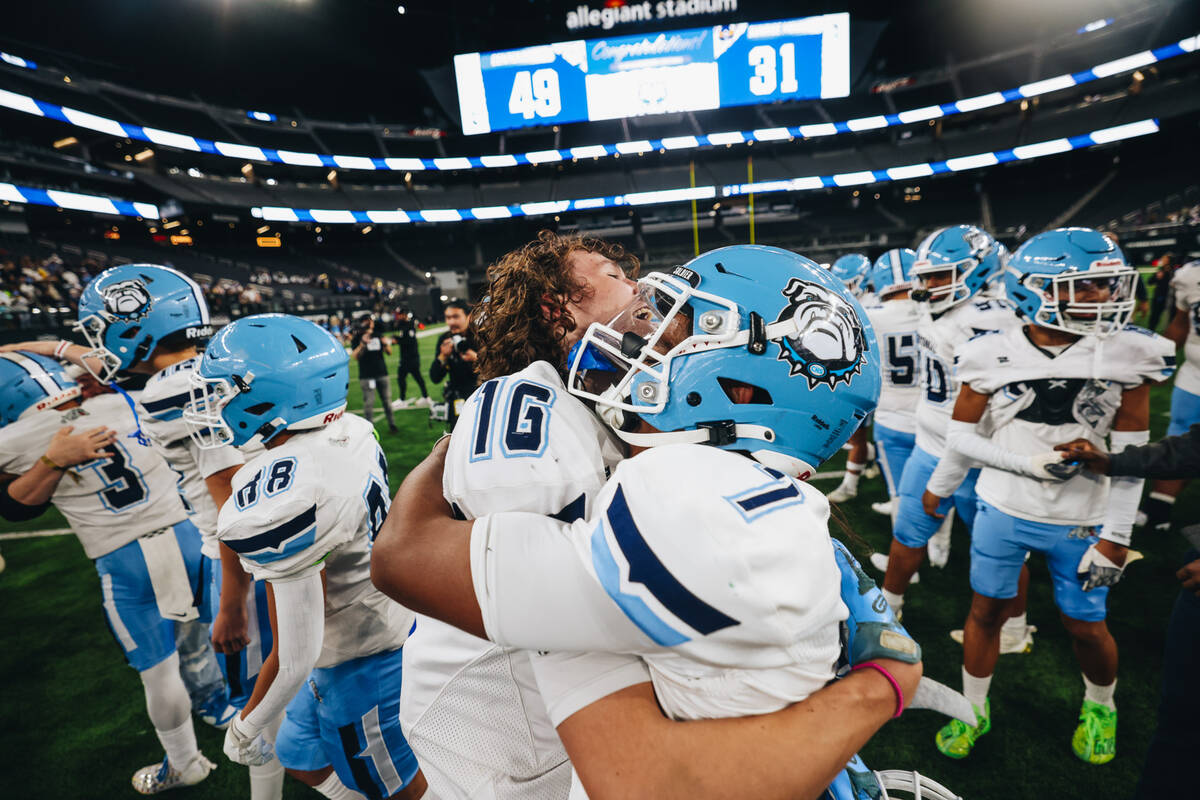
(535,94)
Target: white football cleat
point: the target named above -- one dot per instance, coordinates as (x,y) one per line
(871,471)
(880,562)
(884,508)
(424,402)
(842,493)
(939,547)
(161,777)
(1139,519)
(1009,643)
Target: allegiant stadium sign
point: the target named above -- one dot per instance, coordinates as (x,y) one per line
(587,17)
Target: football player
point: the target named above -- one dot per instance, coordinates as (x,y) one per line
(1184,330)
(147,319)
(895,320)
(1074,370)
(302,517)
(119,498)
(852,269)
(952,267)
(828,352)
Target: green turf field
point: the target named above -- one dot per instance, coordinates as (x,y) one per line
(74,722)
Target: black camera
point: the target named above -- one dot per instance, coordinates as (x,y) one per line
(461,345)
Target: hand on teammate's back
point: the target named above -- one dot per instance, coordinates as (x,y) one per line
(69,449)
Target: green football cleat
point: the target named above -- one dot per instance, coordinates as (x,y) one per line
(957,738)
(1095,740)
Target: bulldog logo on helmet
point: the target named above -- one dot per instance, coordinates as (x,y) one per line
(126,300)
(828,346)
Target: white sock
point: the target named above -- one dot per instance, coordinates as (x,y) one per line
(1100,694)
(266,780)
(333,788)
(976,689)
(180,744)
(896,601)
(1014,625)
(853,472)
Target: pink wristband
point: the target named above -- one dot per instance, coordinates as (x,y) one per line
(895,684)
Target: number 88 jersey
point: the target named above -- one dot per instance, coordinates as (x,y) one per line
(937,338)
(108,502)
(317,502)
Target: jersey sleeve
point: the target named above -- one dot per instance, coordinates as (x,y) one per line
(1143,356)
(976,361)
(569,682)
(214,460)
(270,520)
(1186,285)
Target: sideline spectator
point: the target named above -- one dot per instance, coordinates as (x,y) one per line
(1162,288)
(1168,771)
(456,358)
(369,348)
(410,357)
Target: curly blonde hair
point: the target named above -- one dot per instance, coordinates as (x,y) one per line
(524,317)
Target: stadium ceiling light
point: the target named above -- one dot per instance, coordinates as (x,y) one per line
(29,105)
(10,193)
(806,183)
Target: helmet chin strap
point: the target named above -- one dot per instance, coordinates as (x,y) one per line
(708,433)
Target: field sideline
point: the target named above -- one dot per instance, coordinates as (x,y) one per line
(74,722)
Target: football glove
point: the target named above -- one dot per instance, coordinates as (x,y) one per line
(1051,466)
(250,749)
(872,630)
(1096,569)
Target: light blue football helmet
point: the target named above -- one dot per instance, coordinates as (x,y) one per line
(746,348)
(969,253)
(1073,280)
(851,269)
(29,383)
(265,374)
(125,311)
(892,269)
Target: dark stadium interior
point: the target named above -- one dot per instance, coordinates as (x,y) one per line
(342,88)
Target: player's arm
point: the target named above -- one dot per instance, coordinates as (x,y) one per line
(1131,427)
(61,350)
(795,752)
(953,467)
(297,610)
(230,629)
(66,449)
(422,555)
(1178,327)
(10,509)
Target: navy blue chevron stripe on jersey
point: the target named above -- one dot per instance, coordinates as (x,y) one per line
(281,541)
(646,568)
(572,510)
(168,408)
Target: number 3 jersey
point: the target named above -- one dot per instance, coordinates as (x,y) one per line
(939,384)
(719,573)
(1040,398)
(1186,285)
(316,502)
(108,502)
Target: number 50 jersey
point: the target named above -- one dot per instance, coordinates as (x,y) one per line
(108,502)
(316,502)
(895,323)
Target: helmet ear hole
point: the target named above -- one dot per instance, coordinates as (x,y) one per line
(741,393)
(258,409)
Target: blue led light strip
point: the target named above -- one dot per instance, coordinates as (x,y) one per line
(82,119)
(76,202)
(906,172)
(107,205)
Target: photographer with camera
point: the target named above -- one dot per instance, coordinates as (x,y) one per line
(410,356)
(455,358)
(368,348)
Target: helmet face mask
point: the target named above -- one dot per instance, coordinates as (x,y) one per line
(944,295)
(748,348)
(1072,280)
(203,415)
(100,362)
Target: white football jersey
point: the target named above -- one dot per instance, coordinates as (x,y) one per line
(895,323)
(472,710)
(162,403)
(1186,284)
(316,502)
(718,572)
(937,339)
(108,502)
(1040,399)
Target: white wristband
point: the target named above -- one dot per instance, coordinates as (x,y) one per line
(61,349)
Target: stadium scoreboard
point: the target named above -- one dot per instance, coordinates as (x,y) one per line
(695,69)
